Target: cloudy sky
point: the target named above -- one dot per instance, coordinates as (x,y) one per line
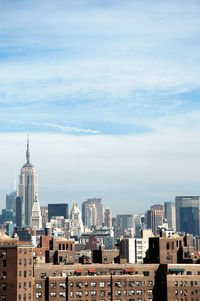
(109,91)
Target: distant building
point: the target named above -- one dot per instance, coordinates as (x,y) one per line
(99,210)
(19,212)
(126,222)
(155,217)
(188,214)
(28,187)
(170,214)
(11,200)
(108,217)
(36,218)
(91,215)
(76,224)
(58,210)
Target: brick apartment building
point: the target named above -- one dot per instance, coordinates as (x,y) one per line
(16,269)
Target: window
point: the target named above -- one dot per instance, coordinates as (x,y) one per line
(86,293)
(24,274)
(150,283)
(150,292)
(20,261)
(131,283)
(139,292)
(102,284)
(71,294)
(131,292)
(93,284)
(53,285)
(25,261)
(118,284)
(38,295)
(102,293)
(4,263)
(62,294)
(43,275)
(53,294)
(146,273)
(79,294)
(29,284)
(189,273)
(3,287)
(176,283)
(25,250)
(30,261)
(79,284)
(86,284)
(118,293)
(3,298)
(93,293)
(139,283)
(63,285)
(29,295)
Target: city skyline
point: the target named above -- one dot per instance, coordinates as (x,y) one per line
(109,92)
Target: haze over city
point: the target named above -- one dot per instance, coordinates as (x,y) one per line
(109,94)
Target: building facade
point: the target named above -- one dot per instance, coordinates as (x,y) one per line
(188,214)
(28,187)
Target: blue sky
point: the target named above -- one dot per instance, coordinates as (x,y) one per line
(103,68)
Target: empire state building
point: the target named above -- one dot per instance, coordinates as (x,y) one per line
(28,186)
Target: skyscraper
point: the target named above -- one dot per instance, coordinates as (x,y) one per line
(108,217)
(155,217)
(99,208)
(58,210)
(188,214)
(11,200)
(170,214)
(28,186)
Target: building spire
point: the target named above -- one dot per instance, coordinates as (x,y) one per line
(27,151)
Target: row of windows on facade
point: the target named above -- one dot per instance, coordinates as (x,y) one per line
(145,273)
(4,274)
(25,261)
(23,297)
(186,292)
(103,293)
(185,283)
(65,247)
(117,284)
(26,250)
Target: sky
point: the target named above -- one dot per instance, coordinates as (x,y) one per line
(109,92)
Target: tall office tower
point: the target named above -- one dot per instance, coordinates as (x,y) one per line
(58,210)
(19,212)
(155,217)
(76,224)
(91,215)
(36,218)
(188,214)
(100,210)
(170,214)
(108,217)
(28,186)
(125,221)
(11,200)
